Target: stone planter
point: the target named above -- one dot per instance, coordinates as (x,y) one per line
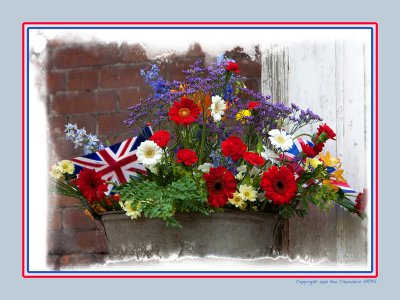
(233,233)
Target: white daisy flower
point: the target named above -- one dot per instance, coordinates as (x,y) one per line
(268,154)
(248,192)
(280,139)
(205,168)
(218,107)
(149,153)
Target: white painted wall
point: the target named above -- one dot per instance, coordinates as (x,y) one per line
(332,78)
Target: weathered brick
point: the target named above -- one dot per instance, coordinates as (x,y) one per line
(132,53)
(130,97)
(88,121)
(56,126)
(59,149)
(53,262)
(83,79)
(62,201)
(176,66)
(93,241)
(55,219)
(56,81)
(81,259)
(249,68)
(81,102)
(112,124)
(75,218)
(119,77)
(70,241)
(83,56)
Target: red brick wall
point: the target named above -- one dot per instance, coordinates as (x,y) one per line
(93,85)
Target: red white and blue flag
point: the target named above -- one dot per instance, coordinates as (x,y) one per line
(117,162)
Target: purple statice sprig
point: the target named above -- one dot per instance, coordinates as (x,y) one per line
(80,138)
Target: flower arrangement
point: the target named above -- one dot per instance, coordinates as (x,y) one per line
(218,144)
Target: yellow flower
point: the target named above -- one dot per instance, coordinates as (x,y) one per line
(56,172)
(312,163)
(247,192)
(329,160)
(238,201)
(338,175)
(329,184)
(133,212)
(67,167)
(242,115)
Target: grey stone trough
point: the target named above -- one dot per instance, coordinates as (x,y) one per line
(231,233)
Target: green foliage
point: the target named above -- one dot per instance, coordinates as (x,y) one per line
(164,200)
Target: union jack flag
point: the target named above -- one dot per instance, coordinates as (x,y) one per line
(117,162)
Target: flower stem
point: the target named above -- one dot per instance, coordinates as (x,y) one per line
(297,136)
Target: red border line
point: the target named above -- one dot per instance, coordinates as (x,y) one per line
(376,148)
(195,276)
(201,23)
(23,149)
(198,23)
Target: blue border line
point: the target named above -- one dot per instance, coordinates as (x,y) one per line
(27,150)
(210,272)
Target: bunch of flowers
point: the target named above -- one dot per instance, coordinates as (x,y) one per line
(217,145)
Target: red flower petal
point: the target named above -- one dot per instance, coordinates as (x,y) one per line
(279,185)
(187,156)
(221,185)
(91,185)
(184,112)
(233,147)
(253,158)
(161,138)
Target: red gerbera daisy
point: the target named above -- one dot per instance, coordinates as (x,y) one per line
(91,185)
(161,138)
(184,112)
(233,147)
(233,67)
(253,158)
(221,185)
(187,156)
(279,185)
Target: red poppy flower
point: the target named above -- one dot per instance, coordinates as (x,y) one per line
(184,112)
(161,138)
(253,104)
(221,185)
(308,150)
(91,185)
(253,158)
(233,67)
(233,147)
(325,129)
(187,156)
(279,185)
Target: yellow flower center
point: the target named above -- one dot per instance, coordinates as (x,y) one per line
(149,153)
(280,139)
(184,112)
